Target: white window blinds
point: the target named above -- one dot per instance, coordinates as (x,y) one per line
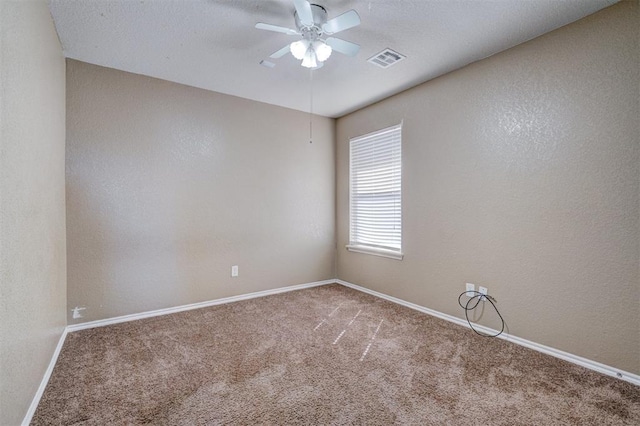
(376,193)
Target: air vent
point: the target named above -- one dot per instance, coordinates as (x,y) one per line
(386,58)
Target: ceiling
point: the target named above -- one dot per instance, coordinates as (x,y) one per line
(212,44)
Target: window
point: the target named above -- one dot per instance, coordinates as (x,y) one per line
(376,193)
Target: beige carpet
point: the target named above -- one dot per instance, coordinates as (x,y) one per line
(326,355)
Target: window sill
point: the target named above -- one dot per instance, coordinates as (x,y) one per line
(376,251)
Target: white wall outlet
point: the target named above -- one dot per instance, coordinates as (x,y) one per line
(470,289)
(483,290)
(234,271)
(76,312)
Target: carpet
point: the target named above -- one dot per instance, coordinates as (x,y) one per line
(327,355)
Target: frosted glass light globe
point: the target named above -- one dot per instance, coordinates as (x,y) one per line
(309,60)
(323,50)
(299,48)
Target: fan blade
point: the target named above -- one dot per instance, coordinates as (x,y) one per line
(343,46)
(276,28)
(267,64)
(280,53)
(343,22)
(303,8)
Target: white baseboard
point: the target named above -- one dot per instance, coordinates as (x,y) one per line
(44,381)
(575,359)
(166,311)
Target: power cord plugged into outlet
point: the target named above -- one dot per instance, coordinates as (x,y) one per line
(484,292)
(475,297)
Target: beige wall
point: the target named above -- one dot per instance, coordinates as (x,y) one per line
(32,207)
(168,186)
(521,174)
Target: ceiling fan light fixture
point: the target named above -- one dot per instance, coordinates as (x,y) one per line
(311,24)
(299,48)
(323,50)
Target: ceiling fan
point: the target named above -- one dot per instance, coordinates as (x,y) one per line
(312,24)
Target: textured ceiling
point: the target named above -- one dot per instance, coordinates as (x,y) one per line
(212,44)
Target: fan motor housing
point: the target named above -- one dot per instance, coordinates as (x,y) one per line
(319,14)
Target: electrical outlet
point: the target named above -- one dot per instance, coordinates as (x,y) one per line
(483,290)
(76,312)
(471,288)
(234,271)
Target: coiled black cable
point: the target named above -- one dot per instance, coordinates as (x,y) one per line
(477,296)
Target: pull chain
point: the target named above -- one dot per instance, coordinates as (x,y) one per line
(310,105)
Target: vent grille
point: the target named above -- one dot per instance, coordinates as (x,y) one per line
(386,58)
